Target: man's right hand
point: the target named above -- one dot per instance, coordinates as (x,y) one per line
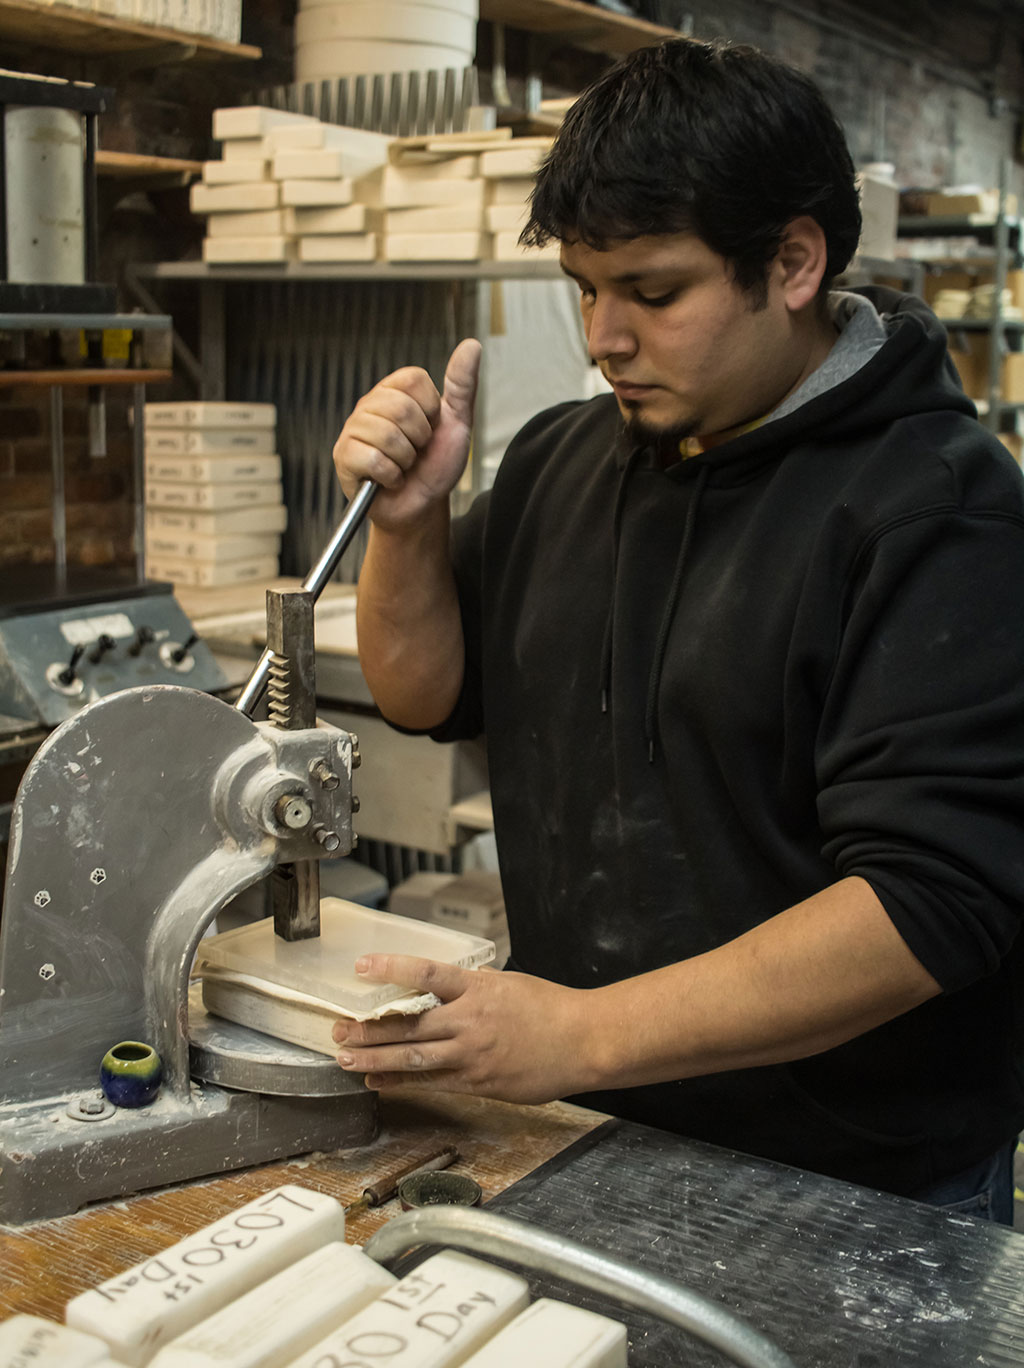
(410,440)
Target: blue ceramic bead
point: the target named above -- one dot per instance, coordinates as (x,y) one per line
(131,1074)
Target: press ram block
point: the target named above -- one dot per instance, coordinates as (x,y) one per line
(142,1309)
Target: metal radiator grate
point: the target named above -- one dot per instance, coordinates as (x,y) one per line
(404,104)
(314,348)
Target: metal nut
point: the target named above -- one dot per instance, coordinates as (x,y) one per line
(330,840)
(321,771)
(293,811)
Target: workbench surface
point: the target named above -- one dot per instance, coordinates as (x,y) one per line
(835,1275)
(44,1264)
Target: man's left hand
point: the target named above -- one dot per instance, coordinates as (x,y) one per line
(503,1035)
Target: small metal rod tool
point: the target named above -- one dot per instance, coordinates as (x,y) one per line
(314,582)
(386,1188)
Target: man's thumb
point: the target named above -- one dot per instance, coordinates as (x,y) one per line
(461,378)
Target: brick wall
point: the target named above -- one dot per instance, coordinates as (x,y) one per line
(99,511)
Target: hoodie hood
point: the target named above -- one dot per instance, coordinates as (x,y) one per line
(909,374)
(889,361)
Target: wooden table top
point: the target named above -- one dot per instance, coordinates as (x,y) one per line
(44,1264)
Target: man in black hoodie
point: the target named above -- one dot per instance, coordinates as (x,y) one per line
(745,638)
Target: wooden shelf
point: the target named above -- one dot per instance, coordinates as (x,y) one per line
(133,165)
(101,35)
(94,376)
(545,269)
(979,324)
(586,26)
(966,225)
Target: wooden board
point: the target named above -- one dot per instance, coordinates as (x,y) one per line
(75,30)
(125,165)
(44,1264)
(13,379)
(584,25)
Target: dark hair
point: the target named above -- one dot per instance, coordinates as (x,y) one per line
(725,142)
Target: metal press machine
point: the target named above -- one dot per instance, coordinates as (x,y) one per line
(137,821)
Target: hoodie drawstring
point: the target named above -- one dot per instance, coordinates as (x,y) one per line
(661,645)
(609,626)
(658,663)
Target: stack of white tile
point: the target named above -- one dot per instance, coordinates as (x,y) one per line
(290,187)
(220,19)
(214,511)
(510,173)
(460,197)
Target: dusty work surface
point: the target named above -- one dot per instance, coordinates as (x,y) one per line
(44,1264)
(836,1275)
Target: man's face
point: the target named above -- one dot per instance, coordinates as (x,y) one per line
(687,352)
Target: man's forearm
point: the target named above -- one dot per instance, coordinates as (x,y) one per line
(408,623)
(811,978)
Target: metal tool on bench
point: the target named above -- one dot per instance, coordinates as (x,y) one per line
(512,1241)
(136,822)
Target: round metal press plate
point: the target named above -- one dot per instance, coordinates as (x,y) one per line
(235,1057)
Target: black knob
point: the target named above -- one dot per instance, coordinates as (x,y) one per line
(69,674)
(142,638)
(104,644)
(180,652)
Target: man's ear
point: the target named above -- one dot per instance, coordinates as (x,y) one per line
(801,262)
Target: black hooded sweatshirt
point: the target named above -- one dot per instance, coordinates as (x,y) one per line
(711,690)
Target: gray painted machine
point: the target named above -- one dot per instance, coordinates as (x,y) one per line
(137,821)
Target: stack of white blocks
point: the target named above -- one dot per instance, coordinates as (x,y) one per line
(214,510)
(221,19)
(273,1283)
(289,187)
